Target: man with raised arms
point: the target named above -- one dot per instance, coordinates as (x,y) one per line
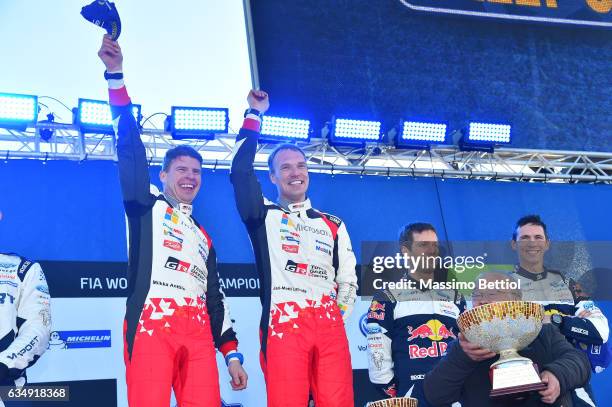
(176,311)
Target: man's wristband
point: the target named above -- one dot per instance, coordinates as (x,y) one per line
(253,111)
(114,75)
(234,356)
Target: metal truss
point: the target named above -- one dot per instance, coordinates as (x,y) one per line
(66,142)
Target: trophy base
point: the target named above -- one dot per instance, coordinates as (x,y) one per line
(517,391)
(516,380)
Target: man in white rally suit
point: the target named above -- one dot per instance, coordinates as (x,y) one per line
(25,320)
(307,272)
(576,316)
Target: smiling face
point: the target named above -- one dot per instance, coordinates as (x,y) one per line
(290,175)
(531,244)
(182,179)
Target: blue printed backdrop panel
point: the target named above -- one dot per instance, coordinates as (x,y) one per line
(69,212)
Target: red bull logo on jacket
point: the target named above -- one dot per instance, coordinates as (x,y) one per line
(377,310)
(433,330)
(377,306)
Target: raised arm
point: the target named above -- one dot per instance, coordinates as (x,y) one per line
(133,168)
(247,190)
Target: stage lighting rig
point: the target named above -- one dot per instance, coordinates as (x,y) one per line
(94,116)
(420,134)
(279,129)
(350,131)
(18,111)
(186,122)
(481,136)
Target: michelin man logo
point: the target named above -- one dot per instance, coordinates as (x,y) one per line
(56,342)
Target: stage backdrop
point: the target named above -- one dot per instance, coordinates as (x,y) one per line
(69,216)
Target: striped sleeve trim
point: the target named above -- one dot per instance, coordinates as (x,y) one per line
(227,347)
(251,124)
(119,97)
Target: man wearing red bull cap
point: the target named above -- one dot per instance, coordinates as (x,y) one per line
(463,375)
(409,330)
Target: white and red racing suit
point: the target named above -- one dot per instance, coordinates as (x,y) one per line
(306,267)
(176,312)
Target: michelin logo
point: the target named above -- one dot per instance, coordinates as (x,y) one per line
(80,339)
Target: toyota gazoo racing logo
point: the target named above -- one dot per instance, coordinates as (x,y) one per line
(177,265)
(436,332)
(306,269)
(297,268)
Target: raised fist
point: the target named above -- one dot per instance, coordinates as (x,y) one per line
(110,54)
(258,99)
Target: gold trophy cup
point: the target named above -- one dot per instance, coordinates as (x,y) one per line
(506,327)
(395,402)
